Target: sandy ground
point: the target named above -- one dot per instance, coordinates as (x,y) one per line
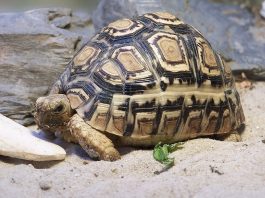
(203,168)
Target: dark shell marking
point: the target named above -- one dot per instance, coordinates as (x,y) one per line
(153,75)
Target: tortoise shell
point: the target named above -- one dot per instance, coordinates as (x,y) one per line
(152,75)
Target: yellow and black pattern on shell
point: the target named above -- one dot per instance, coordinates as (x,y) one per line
(85,58)
(123,27)
(153,75)
(163,18)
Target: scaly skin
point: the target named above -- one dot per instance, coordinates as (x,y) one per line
(96,144)
(53,113)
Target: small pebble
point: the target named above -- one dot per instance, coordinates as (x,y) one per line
(45,185)
(13,180)
(30,165)
(85,162)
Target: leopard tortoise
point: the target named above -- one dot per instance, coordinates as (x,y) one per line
(138,82)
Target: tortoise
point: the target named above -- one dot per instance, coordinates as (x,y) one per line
(141,81)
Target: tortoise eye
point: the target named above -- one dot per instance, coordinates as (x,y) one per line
(59,109)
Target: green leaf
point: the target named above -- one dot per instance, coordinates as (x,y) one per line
(161,153)
(158,153)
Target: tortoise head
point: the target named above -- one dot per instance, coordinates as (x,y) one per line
(53,112)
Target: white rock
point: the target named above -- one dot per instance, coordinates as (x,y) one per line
(262,11)
(19,142)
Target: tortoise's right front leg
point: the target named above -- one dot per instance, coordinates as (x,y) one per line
(96,144)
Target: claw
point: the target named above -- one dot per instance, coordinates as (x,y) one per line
(111,154)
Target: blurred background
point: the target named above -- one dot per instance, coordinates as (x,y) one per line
(16,5)
(89,5)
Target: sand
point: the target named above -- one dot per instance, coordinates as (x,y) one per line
(203,168)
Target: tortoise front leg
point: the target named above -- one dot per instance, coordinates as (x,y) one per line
(67,136)
(231,137)
(96,144)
